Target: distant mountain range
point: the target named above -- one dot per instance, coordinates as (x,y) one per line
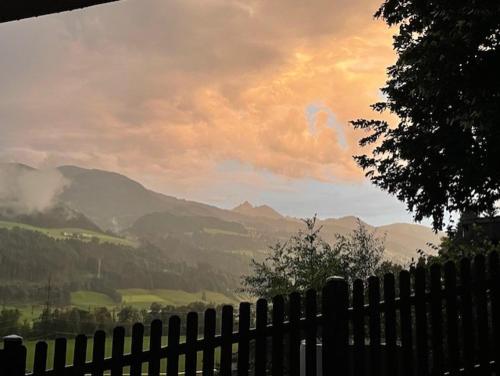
(193,231)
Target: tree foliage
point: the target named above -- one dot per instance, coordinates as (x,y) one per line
(443,154)
(305,261)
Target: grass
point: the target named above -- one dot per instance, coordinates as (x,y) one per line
(69,233)
(144,298)
(216,231)
(85,299)
(137,298)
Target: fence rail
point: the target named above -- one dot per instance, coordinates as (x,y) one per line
(444,320)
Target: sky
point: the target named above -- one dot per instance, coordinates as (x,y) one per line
(218,101)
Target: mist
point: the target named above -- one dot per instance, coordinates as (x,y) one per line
(24,190)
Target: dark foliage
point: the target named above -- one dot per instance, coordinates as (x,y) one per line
(444,153)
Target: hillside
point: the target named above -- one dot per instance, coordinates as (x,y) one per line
(195,231)
(262,211)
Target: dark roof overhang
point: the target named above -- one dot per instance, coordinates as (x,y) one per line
(11,10)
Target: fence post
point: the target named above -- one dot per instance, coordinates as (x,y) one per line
(14,356)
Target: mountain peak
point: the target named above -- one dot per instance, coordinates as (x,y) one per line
(265,211)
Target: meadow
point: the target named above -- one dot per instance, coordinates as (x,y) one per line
(70,233)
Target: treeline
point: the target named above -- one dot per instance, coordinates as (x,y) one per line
(69,322)
(30,260)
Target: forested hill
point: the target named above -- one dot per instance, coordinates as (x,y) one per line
(29,259)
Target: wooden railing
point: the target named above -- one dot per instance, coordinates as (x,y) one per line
(436,321)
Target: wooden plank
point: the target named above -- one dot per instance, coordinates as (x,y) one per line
(494,275)
(374,326)
(40,360)
(226,338)
(468,337)
(208,335)
(261,338)
(341,327)
(436,321)
(60,348)
(421,326)
(294,333)
(405,318)
(155,335)
(451,297)
(358,326)
(79,355)
(191,337)
(244,341)
(328,334)
(390,325)
(481,310)
(117,349)
(98,352)
(174,334)
(136,349)
(311,332)
(278,336)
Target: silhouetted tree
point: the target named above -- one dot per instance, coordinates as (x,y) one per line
(443,155)
(305,261)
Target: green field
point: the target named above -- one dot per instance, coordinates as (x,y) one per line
(70,233)
(137,298)
(144,298)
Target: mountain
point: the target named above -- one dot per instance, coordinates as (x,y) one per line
(115,202)
(200,232)
(263,211)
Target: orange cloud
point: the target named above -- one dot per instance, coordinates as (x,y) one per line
(177,88)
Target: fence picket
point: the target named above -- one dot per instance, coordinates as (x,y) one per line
(405,317)
(174,334)
(481,311)
(311,333)
(358,326)
(98,351)
(117,349)
(155,347)
(421,327)
(80,355)
(391,365)
(341,326)
(60,355)
(227,344)
(328,334)
(277,339)
(294,334)
(450,280)
(466,313)
(261,340)
(40,360)
(191,337)
(136,349)
(244,343)
(494,275)
(208,336)
(374,325)
(436,320)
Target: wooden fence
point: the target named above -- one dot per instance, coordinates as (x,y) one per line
(444,320)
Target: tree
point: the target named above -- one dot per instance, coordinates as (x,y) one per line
(305,261)
(361,253)
(443,154)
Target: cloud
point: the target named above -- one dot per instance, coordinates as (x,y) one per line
(175,88)
(24,190)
